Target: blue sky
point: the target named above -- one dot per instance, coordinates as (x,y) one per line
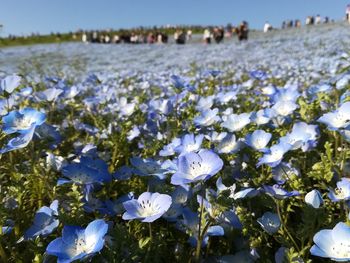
(44,16)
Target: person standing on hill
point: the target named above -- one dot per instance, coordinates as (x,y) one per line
(242,31)
(347,12)
(207,36)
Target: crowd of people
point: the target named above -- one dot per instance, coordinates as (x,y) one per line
(180,36)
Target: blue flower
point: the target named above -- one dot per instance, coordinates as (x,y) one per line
(275,155)
(193,167)
(303,136)
(45,222)
(333,243)
(189,143)
(243,193)
(282,172)
(82,173)
(270,222)
(258,140)
(115,207)
(337,119)
(229,144)
(207,118)
(19,142)
(148,207)
(284,108)
(169,149)
(236,122)
(78,243)
(49,94)
(229,219)
(314,198)
(262,117)
(341,192)
(258,74)
(10,83)
(147,167)
(22,120)
(278,192)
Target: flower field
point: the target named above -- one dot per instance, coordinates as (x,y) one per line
(164,153)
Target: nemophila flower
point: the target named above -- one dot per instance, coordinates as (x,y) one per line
(190,223)
(225,97)
(78,243)
(45,222)
(115,207)
(337,119)
(288,93)
(148,207)
(205,103)
(278,192)
(49,95)
(193,167)
(178,82)
(19,142)
(148,167)
(244,193)
(229,144)
(270,222)
(268,90)
(342,82)
(81,173)
(169,149)
(228,220)
(207,118)
(215,136)
(123,173)
(173,213)
(181,194)
(262,117)
(10,83)
(236,122)
(258,74)
(284,108)
(22,120)
(303,136)
(258,140)
(333,243)
(189,143)
(275,155)
(133,133)
(314,198)
(341,192)
(283,172)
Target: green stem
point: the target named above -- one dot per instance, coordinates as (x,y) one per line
(284,226)
(3,254)
(150,231)
(199,239)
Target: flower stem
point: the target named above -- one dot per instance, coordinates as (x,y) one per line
(3,256)
(199,239)
(150,231)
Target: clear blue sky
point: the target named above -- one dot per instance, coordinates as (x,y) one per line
(44,16)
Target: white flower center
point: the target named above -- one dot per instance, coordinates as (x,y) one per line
(339,193)
(148,209)
(84,246)
(22,123)
(341,250)
(198,169)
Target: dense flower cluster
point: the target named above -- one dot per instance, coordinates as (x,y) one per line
(224,161)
